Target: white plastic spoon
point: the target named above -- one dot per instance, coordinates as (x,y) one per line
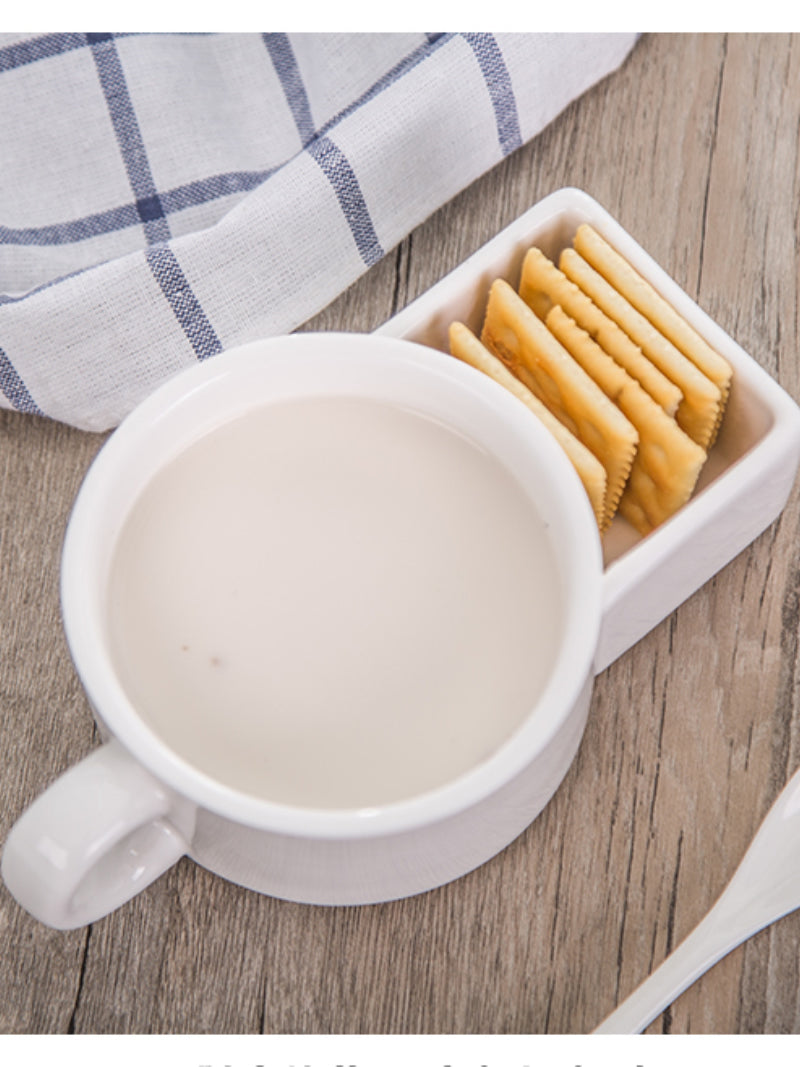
(764,887)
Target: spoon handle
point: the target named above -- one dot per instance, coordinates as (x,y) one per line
(716,935)
(764,887)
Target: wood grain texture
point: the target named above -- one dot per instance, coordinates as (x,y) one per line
(693,146)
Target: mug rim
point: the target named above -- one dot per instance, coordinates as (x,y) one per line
(84,628)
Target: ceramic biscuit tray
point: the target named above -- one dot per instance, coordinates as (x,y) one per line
(750,470)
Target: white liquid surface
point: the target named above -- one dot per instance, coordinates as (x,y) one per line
(334,603)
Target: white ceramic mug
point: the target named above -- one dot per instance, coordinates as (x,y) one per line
(120,818)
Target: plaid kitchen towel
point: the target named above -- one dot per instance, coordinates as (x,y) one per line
(167,196)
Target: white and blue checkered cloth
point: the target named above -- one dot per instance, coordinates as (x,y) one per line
(167,196)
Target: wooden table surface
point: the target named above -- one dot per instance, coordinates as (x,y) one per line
(693,146)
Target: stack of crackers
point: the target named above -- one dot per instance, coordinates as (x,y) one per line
(631,391)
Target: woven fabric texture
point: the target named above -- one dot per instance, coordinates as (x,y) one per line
(167,196)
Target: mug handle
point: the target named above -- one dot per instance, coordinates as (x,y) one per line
(96,837)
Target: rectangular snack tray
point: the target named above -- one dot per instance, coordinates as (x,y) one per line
(749,473)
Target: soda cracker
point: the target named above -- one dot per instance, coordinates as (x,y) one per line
(699,411)
(543,284)
(667,463)
(520,339)
(464,345)
(640,293)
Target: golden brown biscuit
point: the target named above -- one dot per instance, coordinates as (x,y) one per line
(543,285)
(640,293)
(521,340)
(667,462)
(464,345)
(699,411)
